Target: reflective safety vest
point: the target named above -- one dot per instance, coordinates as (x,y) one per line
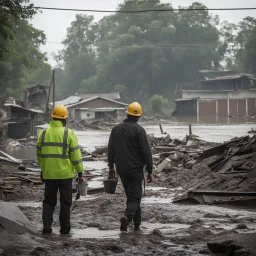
(58,152)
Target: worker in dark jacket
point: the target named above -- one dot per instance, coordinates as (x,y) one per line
(129,151)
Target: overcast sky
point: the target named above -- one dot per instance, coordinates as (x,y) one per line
(55,23)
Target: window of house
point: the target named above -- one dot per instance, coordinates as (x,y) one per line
(88,114)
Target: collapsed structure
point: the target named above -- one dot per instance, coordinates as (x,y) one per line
(21,119)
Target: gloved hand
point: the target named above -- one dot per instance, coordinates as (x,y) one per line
(112,173)
(80,179)
(149,178)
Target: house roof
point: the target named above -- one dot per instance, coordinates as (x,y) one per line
(93,98)
(26,109)
(75,99)
(187,99)
(112,95)
(68,101)
(101,109)
(230,77)
(215,71)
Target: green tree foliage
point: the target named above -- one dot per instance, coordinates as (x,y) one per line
(10,12)
(23,59)
(21,62)
(158,102)
(147,53)
(77,59)
(246,42)
(248,59)
(239,45)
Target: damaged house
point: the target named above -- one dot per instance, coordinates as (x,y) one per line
(95,107)
(18,119)
(220,97)
(36,97)
(21,122)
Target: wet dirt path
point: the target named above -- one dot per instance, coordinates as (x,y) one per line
(167,228)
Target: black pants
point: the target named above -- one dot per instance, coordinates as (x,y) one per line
(50,201)
(133,189)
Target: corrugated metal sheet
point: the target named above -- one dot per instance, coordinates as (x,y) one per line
(29,110)
(68,101)
(111,96)
(230,77)
(106,104)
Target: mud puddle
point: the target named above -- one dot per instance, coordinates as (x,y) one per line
(30,204)
(146,228)
(94,233)
(157,200)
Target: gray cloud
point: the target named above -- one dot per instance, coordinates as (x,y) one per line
(55,23)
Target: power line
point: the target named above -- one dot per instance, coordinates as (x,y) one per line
(161,44)
(149,10)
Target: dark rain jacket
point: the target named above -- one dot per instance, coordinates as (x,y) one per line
(128,148)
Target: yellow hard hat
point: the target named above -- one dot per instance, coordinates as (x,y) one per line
(134,109)
(60,112)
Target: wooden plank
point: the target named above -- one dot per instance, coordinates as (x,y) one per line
(15,160)
(12,182)
(213,151)
(27,173)
(164,148)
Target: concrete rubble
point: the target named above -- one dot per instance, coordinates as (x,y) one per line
(12,219)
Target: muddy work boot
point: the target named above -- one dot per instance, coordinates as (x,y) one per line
(137,228)
(47,231)
(123,224)
(64,231)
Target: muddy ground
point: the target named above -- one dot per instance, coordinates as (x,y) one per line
(167,229)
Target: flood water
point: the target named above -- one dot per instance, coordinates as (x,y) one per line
(211,133)
(92,139)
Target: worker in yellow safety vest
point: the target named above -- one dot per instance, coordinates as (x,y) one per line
(58,154)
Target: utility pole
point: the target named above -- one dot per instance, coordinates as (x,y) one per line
(53,88)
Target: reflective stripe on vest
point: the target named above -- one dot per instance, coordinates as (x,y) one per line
(77,162)
(63,144)
(73,149)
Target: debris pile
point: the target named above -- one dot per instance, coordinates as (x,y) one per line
(235,156)
(11,182)
(204,168)
(169,154)
(91,125)
(99,151)
(22,143)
